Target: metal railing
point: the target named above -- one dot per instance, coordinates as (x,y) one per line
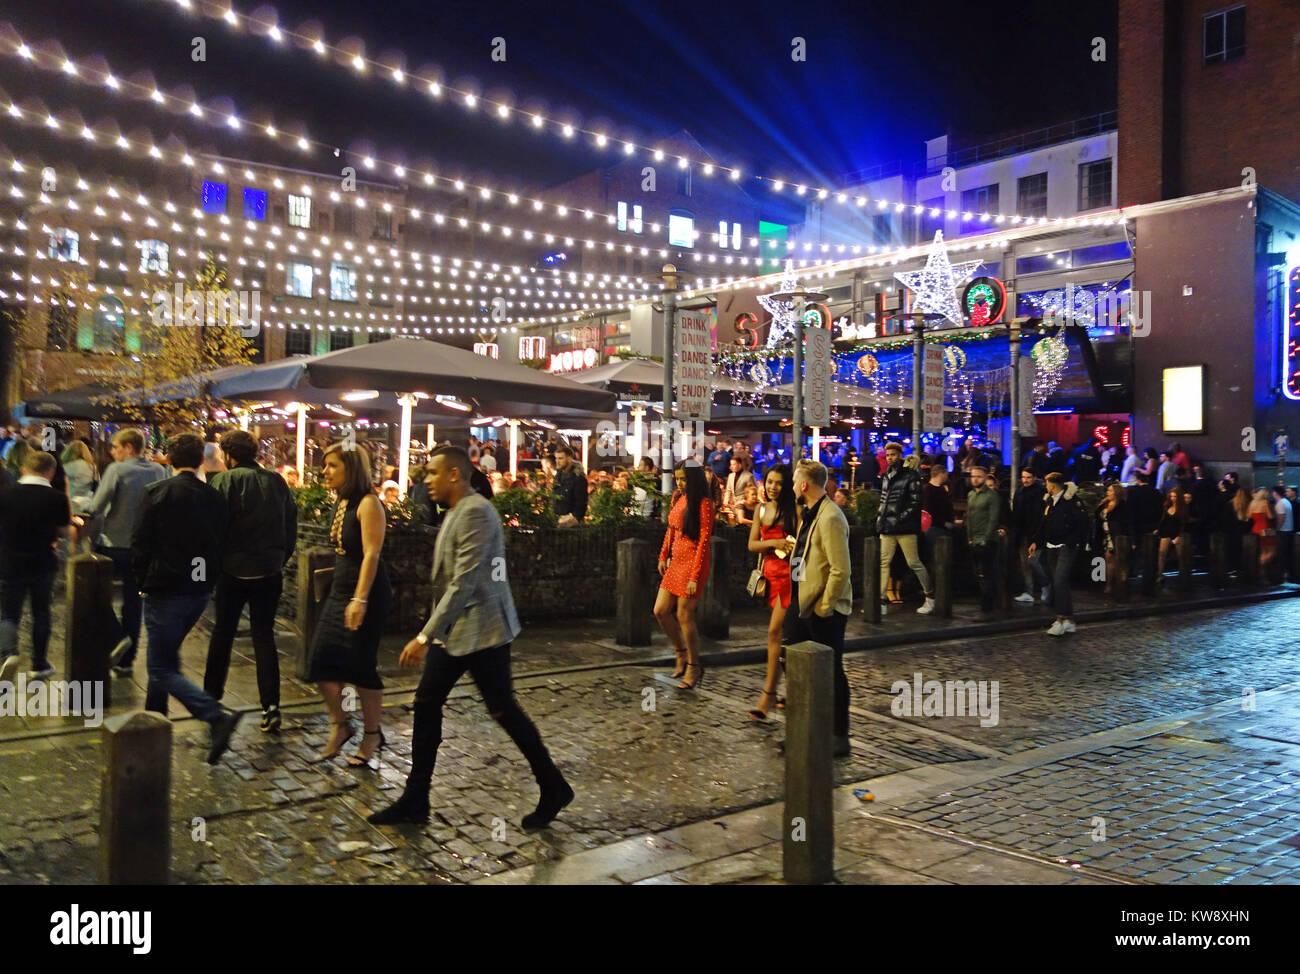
(1011,145)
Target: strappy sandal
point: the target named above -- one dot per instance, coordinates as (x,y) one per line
(681,665)
(758,714)
(352,732)
(357,761)
(699,678)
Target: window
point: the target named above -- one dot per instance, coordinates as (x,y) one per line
(65,244)
(345,220)
(1031,195)
(383,225)
(153,257)
(983,199)
(297,341)
(300,211)
(622,217)
(60,325)
(298,280)
(932,219)
(1225,35)
(254,204)
(684,181)
(1094,185)
(213,197)
(378,336)
(340,339)
(728,235)
(883,228)
(110,325)
(343,282)
(634,223)
(681,229)
(1101,253)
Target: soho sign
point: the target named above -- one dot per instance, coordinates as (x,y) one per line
(582,358)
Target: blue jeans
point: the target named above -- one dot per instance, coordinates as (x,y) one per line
(168,619)
(13,593)
(130,624)
(1060,562)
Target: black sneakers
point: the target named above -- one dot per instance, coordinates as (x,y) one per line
(401,812)
(554,797)
(222,728)
(270,720)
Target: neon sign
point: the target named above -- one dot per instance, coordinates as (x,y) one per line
(1291,338)
(572,361)
(487,349)
(532,347)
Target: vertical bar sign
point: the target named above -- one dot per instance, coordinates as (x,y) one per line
(817,371)
(694,365)
(932,400)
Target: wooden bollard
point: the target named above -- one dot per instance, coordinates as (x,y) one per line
(1273,570)
(871,577)
(1148,549)
(1184,546)
(1001,591)
(88,634)
(635,594)
(1249,559)
(1219,560)
(309,561)
(942,576)
(1123,553)
(808,824)
(714,613)
(135,800)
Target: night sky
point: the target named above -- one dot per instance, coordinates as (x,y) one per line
(879,77)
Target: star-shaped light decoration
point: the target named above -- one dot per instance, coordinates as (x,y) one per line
(936,284)
(782,312)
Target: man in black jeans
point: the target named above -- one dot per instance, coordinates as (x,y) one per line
(176,553)
(259,543)
(471,628)
(983,528)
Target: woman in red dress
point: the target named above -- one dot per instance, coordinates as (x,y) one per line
(684,565)
(775,521)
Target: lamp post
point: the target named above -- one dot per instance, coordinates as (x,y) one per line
(407,401)
(671,279)
(799,296)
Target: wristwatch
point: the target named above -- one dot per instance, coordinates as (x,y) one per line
(422,639)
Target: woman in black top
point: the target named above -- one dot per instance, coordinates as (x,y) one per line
(1113,522)
(1173,521)
(345,649)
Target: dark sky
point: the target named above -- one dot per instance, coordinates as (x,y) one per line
(878,79)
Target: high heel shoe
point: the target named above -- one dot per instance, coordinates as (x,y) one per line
(699,677)
(758,713)
(681,666)
(331,752)
(357,761)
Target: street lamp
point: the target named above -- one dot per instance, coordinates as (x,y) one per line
(672,280)
(799,296)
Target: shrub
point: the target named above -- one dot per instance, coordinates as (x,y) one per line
(867,505)
(520,507)
(315,503)
(609,506)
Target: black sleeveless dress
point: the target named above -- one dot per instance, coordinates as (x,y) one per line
(339,654)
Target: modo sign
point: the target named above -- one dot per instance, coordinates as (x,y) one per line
(572,361)
(694,365)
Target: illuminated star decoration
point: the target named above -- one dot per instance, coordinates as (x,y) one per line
(782,312)
(935,285)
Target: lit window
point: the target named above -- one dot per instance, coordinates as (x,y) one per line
(637,225)
(65,244)
(299,211)
(254,204)
(722,234)
(343,282)
(681,230)
(153,257)
(214,197)
(298,280)
(622,216)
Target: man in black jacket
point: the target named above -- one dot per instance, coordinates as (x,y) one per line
(899,524)
(1026,515)
(1086,463)
(570,485)
(1062,532)
(262,533)
(176,553)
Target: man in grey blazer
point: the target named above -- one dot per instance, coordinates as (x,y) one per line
(471,628)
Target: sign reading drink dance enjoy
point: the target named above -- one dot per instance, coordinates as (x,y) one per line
(694,365)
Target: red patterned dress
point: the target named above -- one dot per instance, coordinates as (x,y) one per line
(687,560)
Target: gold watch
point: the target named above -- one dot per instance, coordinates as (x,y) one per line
(422,639)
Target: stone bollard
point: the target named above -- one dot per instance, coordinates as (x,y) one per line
(135,800)
(1123,553)
(88,635)
(1273,570)
(1149,550)
(1219,560)
(1184,546)
(714,613)
(942,576)
(808,825)
(309,561)
(1249,559)
(635,592)
(871,577)
(1001,591)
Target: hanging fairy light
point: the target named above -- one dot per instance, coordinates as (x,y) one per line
(1050,356)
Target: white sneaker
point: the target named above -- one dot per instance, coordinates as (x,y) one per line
(1046,597)
(1057,629)
(1068,626)
(1024,597)
(926,609)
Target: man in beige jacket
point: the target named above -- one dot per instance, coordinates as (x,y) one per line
(821,583)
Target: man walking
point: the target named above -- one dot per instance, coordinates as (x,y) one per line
(570,485)
(821,584)
(983,512)
(1026,514)
(33,515)
(118,500)
(899,524)
(260,540)
(471,628)
(1062,531)
(720,459)
(176,554)
(1285,532)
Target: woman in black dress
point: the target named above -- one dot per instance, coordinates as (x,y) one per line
(346,646)
(1173,521)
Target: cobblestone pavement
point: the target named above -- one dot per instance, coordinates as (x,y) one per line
(1137,723)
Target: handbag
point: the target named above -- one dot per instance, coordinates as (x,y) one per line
(757,584)
(926,521)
